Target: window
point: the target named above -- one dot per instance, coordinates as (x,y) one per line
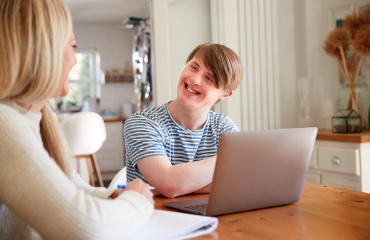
(84,78)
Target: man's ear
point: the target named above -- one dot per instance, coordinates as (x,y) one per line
(228,94)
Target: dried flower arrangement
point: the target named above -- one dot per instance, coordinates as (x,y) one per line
(356,31)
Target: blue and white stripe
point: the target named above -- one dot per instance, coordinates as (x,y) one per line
(154,132)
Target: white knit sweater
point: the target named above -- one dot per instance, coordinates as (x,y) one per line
(38,199)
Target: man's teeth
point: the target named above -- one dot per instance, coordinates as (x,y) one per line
(191,90)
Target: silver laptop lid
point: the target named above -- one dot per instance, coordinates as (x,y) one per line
(258,169)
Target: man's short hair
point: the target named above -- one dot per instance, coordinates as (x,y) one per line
(223,62)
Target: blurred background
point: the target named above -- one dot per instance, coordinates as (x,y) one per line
(131,52)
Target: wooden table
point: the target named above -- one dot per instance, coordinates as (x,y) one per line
(324,212)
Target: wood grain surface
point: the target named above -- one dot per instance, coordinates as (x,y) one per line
(324,212)
(328,135)
(115,120)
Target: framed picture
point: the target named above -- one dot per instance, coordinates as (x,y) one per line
(338,14)
(365,9)
(336,18)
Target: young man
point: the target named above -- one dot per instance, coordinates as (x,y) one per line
(173,147)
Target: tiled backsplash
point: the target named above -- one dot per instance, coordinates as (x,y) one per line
(114,95)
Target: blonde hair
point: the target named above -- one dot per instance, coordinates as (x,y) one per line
(223,62)
(33,35)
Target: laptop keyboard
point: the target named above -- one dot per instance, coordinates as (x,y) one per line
(200,207)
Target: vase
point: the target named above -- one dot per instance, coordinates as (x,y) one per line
(363,94)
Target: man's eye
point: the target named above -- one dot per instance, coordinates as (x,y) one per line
(194,67)
(74,46)
(208,78)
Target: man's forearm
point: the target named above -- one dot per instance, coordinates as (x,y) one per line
(176,180)
(191,177)
(205,189)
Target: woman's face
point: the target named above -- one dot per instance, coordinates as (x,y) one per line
(69,60)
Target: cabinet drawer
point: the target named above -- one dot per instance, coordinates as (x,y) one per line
(313,178)
(114,128)
(341,182)
(112,143)
(339,160)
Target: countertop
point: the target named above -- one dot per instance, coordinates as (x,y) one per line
(328,135)
(114,120)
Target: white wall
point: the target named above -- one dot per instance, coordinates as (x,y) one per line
(113,42)
(188,25)
(287,58)
(114,95)
(178,27)
(115,47)
(250,29)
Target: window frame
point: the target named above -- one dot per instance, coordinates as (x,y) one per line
(95,78)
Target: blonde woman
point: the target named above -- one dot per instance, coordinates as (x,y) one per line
(39,196)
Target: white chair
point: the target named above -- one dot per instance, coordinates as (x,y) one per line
(85,133)
(119,179)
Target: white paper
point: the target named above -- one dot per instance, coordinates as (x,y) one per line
(173,225)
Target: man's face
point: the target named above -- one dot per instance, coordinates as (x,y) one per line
(196,87)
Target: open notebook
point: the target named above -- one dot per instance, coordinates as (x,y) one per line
(172,225)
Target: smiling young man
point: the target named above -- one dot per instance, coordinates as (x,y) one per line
(173,147)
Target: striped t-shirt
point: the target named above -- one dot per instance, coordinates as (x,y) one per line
(153,131)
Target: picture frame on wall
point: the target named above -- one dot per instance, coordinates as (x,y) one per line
(365,9)
(337,15)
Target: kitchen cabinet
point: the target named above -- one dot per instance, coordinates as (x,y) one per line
(341,160)
(111,156)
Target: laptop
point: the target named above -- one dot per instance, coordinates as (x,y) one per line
(254,170)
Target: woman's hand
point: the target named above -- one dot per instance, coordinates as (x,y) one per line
(138,186)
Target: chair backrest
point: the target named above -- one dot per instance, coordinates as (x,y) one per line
(119,179)
(85,132)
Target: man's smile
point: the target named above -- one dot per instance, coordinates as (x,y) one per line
(190,90)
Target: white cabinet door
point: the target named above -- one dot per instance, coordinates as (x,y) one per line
(343,160)
(341,182)
(340,164)
(313,178)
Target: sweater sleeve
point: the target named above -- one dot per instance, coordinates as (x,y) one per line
(37,191)
(87,188)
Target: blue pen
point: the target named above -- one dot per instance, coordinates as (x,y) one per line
(124,186)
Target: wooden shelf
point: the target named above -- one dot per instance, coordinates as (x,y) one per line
(328,135)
